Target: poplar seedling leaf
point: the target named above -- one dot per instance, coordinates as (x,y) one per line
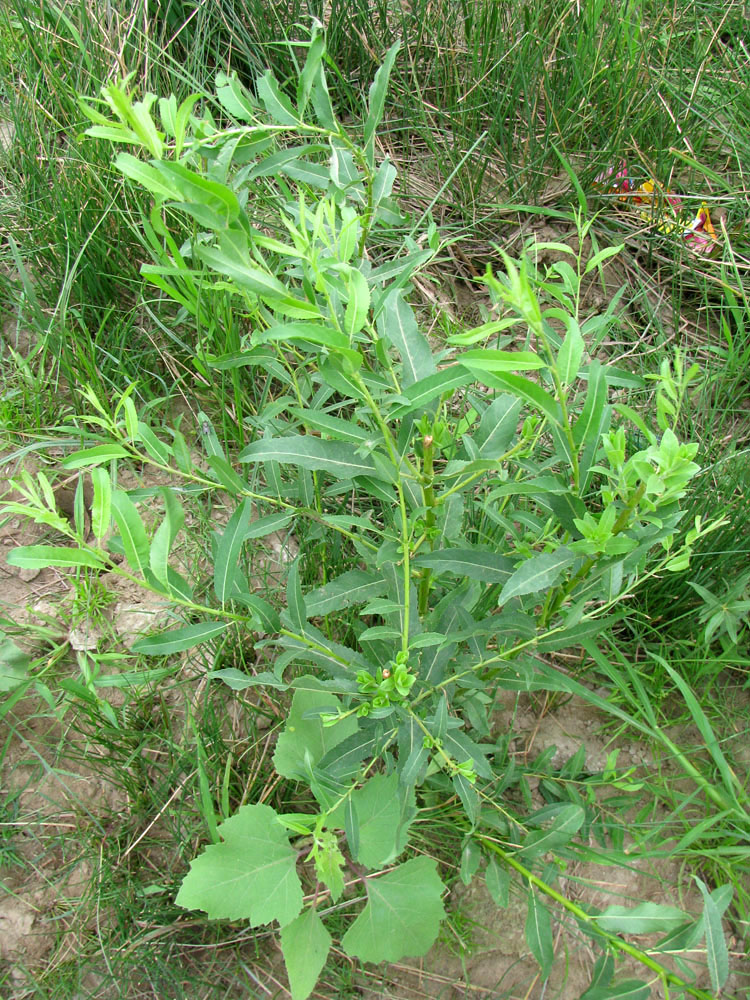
(250,875)
(305,944)
(403,914)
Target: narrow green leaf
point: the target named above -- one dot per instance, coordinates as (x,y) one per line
(144,174)
(157,449)
(497,880)
(175,640)
(524,389)
(571,352)
(276,104)
(467,793)
(95,456)
(263,526)
(134,539)
(426,389)
(358,305)
(41,556)
(228,550)
(644,918)
(596,399)
(498,426)
(501,361)
(313,333)
(539,934)
(538,573)
(250,876)
(397,324)
(376,101)
(476,564)
(164,536)
(305,944)
(717,955)
(296,608)
(14,664)
(338,458)
(403,914)
(353,587)
(626,989)
(101,504)
(565,825)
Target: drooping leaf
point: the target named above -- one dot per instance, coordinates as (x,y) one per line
(341,460)
(536,574)
(383,827)
(403,914)
(626,989)
(175,640)
(41,556)
(304,741)
(132,531)
(95,456)
(101,504)
(164,536)
(565,825)
(501,361)
(497,880)
(376,101)
(498,426)
(398,324)
(305,944)
(353,587)
(14,664)
(644,918)
(251,875)
(571,352)
(717,954)
(276,104)
(539,934)
(228,550)
(426,389)
(476,564)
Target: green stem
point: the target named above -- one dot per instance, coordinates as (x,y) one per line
(428,494)
(667,978)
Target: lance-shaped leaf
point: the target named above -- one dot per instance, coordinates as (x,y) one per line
(475,564)
(165,535)
(566,823)
(336,457)
(101,504)
(95,456)
(228,550)
(134,540)
(498,426)
(645,918)
(376,101)
(536,574)
(717,955)
(403,914)
(175,640)
(397,323)
(501,361)
(41,556)
(539,934)
(524,389)
(353,587)
(305,944)
(251,875)
(426,389)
